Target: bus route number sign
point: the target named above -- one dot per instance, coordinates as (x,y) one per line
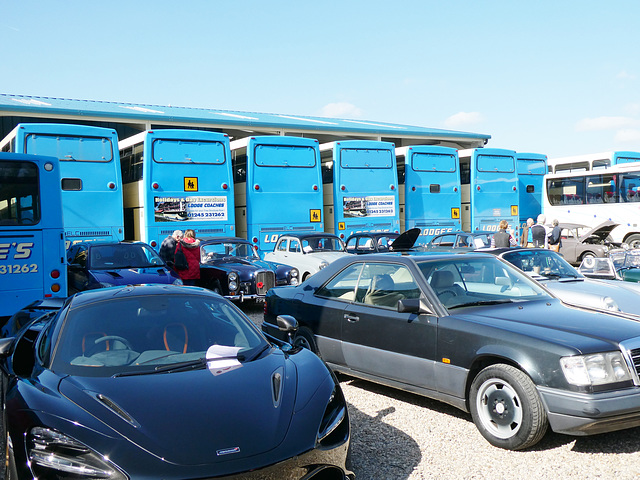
(190,184)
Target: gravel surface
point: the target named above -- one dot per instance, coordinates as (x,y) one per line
(398,435)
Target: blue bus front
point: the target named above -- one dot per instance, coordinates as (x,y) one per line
(32,246)
(283,188)
(364,194)
(625,157)
(186,184)
(531,168)
(432,190)
(492,189)
(90,177)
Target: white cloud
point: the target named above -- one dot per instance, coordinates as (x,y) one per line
(628,135)
(624,75)
(463,119)
(605,123)
(340,110)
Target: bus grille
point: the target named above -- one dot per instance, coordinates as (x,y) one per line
(265,278)
(89,233)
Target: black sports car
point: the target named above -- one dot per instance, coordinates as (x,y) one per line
(473,331)
(232,267)
(171,382)
(107,264)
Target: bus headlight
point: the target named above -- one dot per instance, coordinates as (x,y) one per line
(595,369)
(233,281)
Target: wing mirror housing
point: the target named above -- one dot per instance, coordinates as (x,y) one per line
(287,324)
(414,305)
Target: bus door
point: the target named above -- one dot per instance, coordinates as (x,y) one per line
(531,168)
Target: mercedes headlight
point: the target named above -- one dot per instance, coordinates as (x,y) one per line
(323,264)
(55,455)
(233,281)
(595,369)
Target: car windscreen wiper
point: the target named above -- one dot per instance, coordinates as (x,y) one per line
(177,367)
(481,302)
(253,356)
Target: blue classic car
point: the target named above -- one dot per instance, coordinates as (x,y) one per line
(93,265)
(472,331)
(151,382)
(232,267)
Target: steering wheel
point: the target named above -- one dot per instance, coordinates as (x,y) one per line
(107,338)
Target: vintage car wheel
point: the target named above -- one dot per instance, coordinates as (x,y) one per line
(633,241)
(304,338)
(506,408)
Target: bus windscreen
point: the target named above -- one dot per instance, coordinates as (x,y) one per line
(495,163)
(284,156)
(70,148)
(428,162)
(532,167)
(365,158)
(184,151)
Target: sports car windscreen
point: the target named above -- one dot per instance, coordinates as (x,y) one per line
(151,334)
(479,281)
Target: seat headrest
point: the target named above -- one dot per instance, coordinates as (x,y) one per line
(442,279)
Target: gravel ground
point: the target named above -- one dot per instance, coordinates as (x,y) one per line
(398,435)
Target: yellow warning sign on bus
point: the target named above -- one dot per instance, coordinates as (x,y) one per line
(514,210)
(190,184)
(315,215)
(341,226)
(455,212)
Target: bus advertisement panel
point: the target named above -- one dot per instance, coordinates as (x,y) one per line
(360,187)
(593,197)
(89,175)
(177,179)
(591,161)
(32,246)
(278,188)
(532,168)
(429,190)
(489,189)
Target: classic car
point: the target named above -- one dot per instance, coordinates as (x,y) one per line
(620,264)
(151,381)
(308,252)
(473,331)
(381,242)
(232,267)
(102,264)
(580,241)
(568,284)
(458,241)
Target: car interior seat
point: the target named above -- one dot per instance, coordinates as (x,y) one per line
(382,292)
(444,286)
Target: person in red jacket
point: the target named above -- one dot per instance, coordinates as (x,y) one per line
(191,247)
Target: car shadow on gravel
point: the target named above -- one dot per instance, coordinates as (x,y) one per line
(396,453)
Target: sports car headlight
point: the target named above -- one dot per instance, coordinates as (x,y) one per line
(323,264)
(596,369)
(56,455)
(611,304)
(334,427)
(233,281)
(293,276)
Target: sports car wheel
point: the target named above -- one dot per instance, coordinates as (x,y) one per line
(506,408)
(304,338)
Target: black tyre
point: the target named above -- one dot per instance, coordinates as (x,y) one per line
(305,276)
(506,408)
(304,338)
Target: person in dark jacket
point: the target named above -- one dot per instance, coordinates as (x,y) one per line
(168,247)
(555,237)
(539,233)
(502,238)
(190,246)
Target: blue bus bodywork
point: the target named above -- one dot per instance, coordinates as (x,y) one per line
(32,245)
(532,168)
(430,191)
(89,175)
(278,188)
(360,187)
(489,189)
(177,179)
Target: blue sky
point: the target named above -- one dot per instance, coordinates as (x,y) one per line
(554,77)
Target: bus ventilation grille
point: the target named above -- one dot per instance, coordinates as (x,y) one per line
(94,233)
(267,279)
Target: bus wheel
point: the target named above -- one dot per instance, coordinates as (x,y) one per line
(633,241)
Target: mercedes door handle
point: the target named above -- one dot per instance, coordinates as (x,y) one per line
(351,318)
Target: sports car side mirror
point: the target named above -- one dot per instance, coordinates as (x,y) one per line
(414,305)
(286,323)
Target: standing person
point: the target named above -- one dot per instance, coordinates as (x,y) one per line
(527,240)
(540,233)
(502,238)
(168,247)
(190,246)
(555,237)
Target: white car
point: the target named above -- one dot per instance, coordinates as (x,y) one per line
(308,252)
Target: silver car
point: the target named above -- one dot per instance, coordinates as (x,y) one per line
(564,281)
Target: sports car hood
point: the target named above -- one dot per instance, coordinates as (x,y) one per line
(586,330)
(602,231)
(134,276)
(185,417)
